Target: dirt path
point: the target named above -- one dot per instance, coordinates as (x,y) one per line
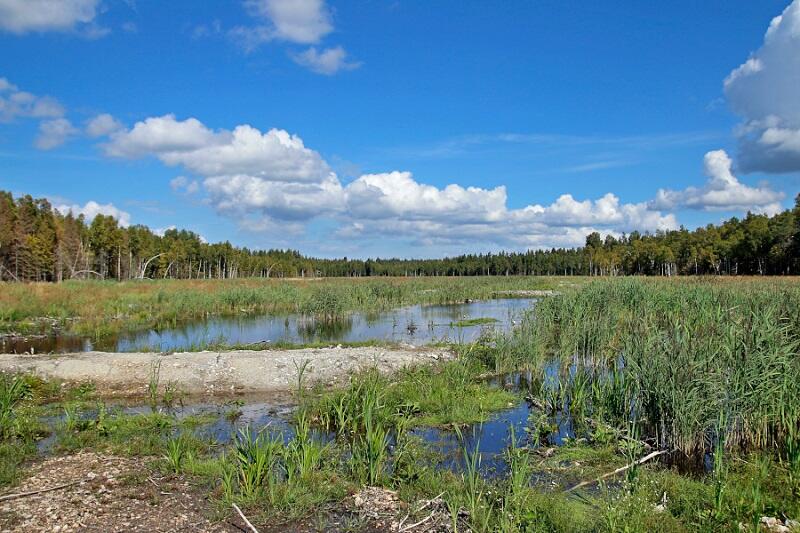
(128,374)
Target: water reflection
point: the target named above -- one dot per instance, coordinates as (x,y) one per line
(416,324)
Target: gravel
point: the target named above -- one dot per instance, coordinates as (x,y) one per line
(209,373)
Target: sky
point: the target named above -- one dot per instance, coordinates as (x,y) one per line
(400,128)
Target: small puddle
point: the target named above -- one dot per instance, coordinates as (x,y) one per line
(417,325)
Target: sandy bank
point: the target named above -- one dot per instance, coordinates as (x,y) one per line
(234,372)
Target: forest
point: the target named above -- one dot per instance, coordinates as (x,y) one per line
(38,243)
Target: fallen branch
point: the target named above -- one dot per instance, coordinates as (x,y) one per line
(35,492)
(619,470)
(246,521)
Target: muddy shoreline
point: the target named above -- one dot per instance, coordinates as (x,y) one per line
(217,373)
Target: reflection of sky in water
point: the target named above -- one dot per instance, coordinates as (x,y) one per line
(492,438)
(416,324)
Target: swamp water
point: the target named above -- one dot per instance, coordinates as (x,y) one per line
(221,422)
(417,325)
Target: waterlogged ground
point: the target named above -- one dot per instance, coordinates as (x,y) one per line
(416,325)
(221,422)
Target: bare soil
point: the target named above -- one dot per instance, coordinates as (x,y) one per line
(108,494)
(210,373)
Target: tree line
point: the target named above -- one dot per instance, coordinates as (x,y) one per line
(38,243)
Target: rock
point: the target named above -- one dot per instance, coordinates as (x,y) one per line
(775,525)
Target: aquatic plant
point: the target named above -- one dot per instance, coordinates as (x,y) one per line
(255,460)
(303,454)
(12,392)
(178,453)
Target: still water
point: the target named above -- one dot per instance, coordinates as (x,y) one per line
(417,324)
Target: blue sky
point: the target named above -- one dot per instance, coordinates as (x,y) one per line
(382,127)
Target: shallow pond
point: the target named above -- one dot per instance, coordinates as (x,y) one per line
(417,324)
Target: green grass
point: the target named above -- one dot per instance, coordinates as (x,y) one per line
(23,402)
(446,394)
(474,322)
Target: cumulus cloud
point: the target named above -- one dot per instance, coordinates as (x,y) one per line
(53,133)
(275,155)
(240,195)
(398,195)
(297,21)
(92,209)
(244,170)
(722,192)
(161,136)
(393,203)
(15,103)
(327,62)
(23,16)
(764,92)
(103,124)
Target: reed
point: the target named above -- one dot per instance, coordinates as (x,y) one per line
(675,354)
(101,309)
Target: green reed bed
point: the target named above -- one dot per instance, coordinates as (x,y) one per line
(681,355)
(99,309)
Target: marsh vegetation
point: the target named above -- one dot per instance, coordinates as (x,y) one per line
(542,428)
(100,310)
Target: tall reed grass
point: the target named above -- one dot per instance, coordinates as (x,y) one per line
(674,355)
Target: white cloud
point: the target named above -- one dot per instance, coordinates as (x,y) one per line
(272,182)
(328,62)
(92,209)
(240,195)
(246,171)
(161,231)
(764,92)
(160,136)
(53,133)
(272,156)
(722,192)
(184,185)
(22,16)
(6,85)
(398,195)
(247,37)
(15,103)
(297,21)
(103,124)
(294,21)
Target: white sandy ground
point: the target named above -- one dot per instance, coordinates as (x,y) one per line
(231,372)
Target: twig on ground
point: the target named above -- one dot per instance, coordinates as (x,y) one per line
(412,526)
(35,492)
(246,521)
